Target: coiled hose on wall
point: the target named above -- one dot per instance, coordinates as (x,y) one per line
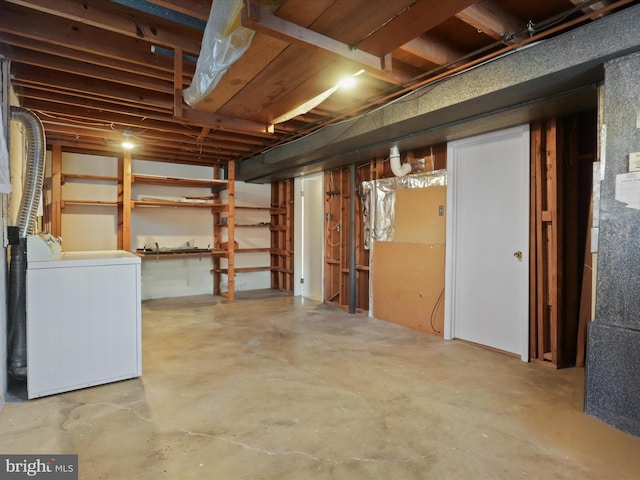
(27,215)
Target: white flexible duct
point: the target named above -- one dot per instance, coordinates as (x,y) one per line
(397,169)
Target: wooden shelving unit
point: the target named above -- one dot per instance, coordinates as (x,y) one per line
(124,183)
(86,178)
(234,226)
(278,219)
(212,203)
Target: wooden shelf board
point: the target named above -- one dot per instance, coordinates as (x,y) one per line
(176,181)
(82,176)
(242,270)
(181,254)
(237,225)
(88,202)
(281,270)
(247,207)
(158,203)
(253,250)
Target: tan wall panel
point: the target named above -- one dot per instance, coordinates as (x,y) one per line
(408,278)
(416,215)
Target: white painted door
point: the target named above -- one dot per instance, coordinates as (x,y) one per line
(313,237)
(487,240)
(309,236)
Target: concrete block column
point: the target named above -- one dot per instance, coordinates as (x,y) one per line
(613,347)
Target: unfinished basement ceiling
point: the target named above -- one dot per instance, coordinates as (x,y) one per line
(100,71)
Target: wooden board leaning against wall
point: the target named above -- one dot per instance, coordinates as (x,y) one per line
(336,209)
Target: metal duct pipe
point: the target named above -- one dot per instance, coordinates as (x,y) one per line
(36,150)
(17,336)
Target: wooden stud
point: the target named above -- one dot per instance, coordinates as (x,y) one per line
(177,82)
(56,190)
(231,281)
(554,181)
(124,201)
(584,316)
(216,240)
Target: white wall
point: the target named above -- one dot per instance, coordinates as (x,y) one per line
(89,227)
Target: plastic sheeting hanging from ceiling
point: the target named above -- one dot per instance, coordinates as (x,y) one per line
(223,43)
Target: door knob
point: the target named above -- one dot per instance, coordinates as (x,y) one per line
(518,255)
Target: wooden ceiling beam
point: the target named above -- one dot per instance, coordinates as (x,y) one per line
(261,20)
(115,141)
(66,33)
(203,134)
(432,50)
(125,117)
(222,122)
(72,145)
(99,61)
(167,139)
(65,65)
(140,142)
(49,94)
(128,22)
(91,116)
(412,22)
(87,87)
(194,8)
(275,27)
(137,109)
(488,17)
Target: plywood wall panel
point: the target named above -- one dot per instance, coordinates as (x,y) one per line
(420,215)
(408,280)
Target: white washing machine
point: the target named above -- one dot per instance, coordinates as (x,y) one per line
(83,317)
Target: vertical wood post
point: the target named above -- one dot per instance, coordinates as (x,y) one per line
(231,277)
(56,190)
(124,201)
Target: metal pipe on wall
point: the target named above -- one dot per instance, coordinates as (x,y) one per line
(352,238)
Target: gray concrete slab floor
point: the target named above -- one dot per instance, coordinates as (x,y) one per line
(287,388)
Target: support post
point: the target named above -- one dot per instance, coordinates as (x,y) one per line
(352,238)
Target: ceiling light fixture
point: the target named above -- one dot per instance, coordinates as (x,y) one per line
(350,81)
(347,82)
(127,144)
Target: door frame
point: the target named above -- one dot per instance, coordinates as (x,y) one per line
(452,234)
(299,219)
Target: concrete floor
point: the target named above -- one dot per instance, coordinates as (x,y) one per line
(285,388)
